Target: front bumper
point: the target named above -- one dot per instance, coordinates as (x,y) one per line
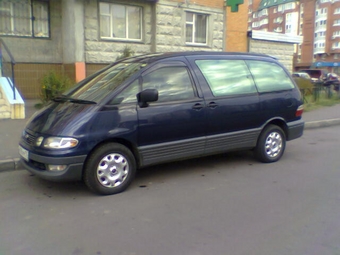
(37,165)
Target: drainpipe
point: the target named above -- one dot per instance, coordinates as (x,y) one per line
(0,61)
(154,27)
(224,42)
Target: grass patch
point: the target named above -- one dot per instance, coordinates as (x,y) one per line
(323,99)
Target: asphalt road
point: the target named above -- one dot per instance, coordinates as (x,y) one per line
(220,205)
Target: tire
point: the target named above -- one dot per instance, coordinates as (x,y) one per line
(109,169)
(271,144)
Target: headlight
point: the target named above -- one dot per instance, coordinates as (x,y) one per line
(60,142)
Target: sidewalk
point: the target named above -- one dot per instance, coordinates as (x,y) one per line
(10,130)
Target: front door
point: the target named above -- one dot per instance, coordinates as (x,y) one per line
(173,127)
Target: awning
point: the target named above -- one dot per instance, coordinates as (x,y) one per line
(325,64)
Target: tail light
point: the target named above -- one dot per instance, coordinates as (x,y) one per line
(299,111)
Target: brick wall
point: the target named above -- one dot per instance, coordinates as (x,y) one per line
(28,77)
(236,29)
(92,68)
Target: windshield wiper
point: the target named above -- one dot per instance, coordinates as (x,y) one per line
(72,100)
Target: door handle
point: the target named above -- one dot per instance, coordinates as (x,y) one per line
(212,105)
(197,107)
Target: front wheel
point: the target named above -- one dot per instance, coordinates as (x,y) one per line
(109,169)
(271,144)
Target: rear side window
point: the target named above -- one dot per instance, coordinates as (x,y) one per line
(227,77)
(172,83)
(269,76)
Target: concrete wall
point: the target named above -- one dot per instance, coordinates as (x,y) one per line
(284,52)
(171,26)
(39,50)
(105,51)
(170,30)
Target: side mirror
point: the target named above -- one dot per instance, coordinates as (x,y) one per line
(146,96)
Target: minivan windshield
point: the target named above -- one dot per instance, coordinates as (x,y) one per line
(104,83)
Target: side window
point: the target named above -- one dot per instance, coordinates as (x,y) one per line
(128,95)
(227,77)
(172,83)
(269,76)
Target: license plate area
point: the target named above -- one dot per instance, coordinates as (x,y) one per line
(24,153)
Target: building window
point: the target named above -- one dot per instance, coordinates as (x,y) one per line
(278,29)
(256,24)
(122,22)
(336,34)
(24,18)
(264,12)
(196,28)
(278,20)
(336,45)
(336,22)
(263,22)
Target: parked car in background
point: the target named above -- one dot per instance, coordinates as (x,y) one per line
(304,82)
(302,75)
(316,75)
(332,79)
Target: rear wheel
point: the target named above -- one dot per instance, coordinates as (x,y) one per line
(271,144)
(110,169)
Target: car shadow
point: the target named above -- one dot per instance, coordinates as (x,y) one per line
(153,174)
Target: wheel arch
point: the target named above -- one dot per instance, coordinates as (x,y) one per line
(121,141)
(277,122)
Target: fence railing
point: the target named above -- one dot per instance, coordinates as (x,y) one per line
(7,63)
(317,89)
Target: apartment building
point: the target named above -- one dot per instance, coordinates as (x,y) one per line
(317,21)
(78,37)
(320,25)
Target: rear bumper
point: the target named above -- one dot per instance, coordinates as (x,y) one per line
(295,129)
(37,165)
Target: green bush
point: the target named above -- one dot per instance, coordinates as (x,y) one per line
(52,85)
(127,52)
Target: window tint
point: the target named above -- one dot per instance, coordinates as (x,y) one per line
(128,95)
(101,85)
(269,76)
(172,83)
(227,77)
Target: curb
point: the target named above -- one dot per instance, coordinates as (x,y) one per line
(322,123)
(10,164)
(14,164)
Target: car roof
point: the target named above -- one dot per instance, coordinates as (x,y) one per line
(151,57)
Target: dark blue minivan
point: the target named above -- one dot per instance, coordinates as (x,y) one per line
(157,108)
